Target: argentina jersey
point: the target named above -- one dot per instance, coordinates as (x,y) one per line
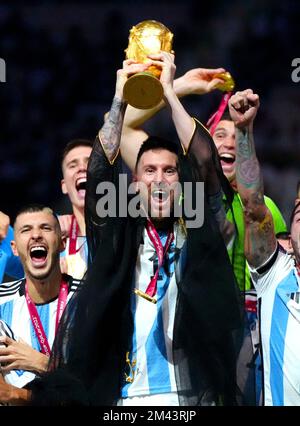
(278,291)
(14,313)
(149,368)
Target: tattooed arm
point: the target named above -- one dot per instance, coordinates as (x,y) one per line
(104,164)
(110,133)
(260,240)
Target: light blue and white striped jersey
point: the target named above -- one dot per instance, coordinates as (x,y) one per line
(77,262)
(151,352)
(278,290)
(14,312)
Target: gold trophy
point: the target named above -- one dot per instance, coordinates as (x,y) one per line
(143,90)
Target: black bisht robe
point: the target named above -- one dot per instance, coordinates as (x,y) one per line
(88,359)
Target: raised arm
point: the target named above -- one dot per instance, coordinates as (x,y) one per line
(196,143)
(184,124)
(196,81)
(195,140)
(110,133)
(103,167)
(260,240)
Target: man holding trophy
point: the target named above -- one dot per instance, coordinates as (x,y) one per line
(151,325)
(143,91)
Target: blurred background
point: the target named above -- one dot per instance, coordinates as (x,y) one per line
(61,59)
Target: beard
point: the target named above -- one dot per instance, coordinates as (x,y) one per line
(162,214)
(163,223)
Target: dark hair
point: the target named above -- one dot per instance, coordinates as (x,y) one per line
(285,235)
(226,115)
(74,143)
(293,213)
(155,142)
(212,119)
(34,208)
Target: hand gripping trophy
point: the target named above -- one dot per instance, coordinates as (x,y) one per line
(143,90)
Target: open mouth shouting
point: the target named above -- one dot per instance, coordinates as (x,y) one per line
(38,255)
(80,186)
(160,201)
(227,161)
(159,195)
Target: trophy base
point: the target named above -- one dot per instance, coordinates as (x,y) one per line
(143,91)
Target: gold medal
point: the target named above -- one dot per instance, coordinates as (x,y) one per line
(228,84)
(145,296)
(76,265)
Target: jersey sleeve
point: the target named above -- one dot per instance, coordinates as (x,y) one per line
(272,271)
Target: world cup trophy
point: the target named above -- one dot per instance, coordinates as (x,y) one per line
(143,90)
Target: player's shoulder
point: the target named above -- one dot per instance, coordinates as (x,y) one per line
(73,283)
(9,289)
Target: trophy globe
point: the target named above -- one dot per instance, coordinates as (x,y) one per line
(143,90)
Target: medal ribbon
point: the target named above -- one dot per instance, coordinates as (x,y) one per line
(36,321)
(73,235)
(216,117)
(161,252)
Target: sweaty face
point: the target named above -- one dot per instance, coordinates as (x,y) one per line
(295,234)
(157,175)
(224,139)
(38,243)
(74,174)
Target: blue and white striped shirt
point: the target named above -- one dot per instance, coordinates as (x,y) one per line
(278,290)
(14,312)
(151,353)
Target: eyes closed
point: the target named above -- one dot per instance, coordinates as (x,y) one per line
(43,227)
